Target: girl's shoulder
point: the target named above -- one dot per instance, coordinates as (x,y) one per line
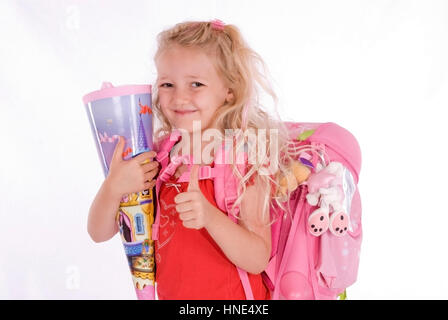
(159,141)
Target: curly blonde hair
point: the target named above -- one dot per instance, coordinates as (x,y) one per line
(245,73)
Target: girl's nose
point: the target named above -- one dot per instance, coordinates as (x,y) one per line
(181,96)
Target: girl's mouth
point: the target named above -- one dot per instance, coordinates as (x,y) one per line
(184,112)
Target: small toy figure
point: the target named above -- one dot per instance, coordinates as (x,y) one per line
(325,189)
(293,178)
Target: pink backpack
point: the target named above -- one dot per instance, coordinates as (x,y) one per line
(315,252)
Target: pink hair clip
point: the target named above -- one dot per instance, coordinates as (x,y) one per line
(218,24)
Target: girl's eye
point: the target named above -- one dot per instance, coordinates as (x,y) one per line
(166,85)
(196,84)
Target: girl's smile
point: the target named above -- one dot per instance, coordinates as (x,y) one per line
(184,112)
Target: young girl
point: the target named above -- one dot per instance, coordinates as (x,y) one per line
(206,73)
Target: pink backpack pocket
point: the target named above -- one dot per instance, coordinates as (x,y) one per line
(338,262)
(339,256)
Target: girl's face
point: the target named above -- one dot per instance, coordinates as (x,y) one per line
(189,87)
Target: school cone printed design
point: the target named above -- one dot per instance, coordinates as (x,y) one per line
(126,111)
(135,218)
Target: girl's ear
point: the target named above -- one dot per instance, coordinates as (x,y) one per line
(230,97)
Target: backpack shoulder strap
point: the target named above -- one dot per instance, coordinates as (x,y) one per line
(167,169)
(226,194)
(164,146)
(225,181)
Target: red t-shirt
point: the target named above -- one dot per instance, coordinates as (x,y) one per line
(190,265)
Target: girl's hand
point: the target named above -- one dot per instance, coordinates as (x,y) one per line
(194,209)
(131,176)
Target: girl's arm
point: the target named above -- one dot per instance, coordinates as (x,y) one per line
(248,243)
(101,224)
(125,176)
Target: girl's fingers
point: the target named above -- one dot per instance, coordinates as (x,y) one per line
(150,175)
(145,156)
(187,196)
(149,184)
(152,183)
(183,207)
(191,224)
(187,216)
(150,166)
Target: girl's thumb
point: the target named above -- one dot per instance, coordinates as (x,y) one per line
(117,156)
(194,178)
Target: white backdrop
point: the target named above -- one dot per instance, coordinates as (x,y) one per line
(378,68)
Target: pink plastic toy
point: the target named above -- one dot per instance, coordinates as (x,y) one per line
(325,188)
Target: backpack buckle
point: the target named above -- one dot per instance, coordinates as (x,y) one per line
(206,172)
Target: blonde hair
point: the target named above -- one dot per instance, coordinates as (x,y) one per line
(245,73)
